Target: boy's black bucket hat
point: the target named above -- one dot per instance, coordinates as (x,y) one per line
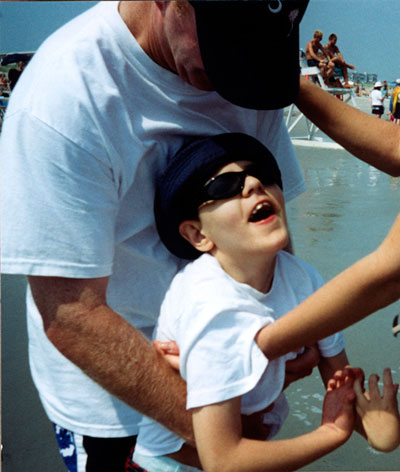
(179,187)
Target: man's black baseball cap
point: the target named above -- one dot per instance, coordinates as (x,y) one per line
(250,49)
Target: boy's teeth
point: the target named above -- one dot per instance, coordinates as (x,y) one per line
(260,206)
(261,211)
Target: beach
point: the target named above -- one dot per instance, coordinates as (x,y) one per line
(345,213)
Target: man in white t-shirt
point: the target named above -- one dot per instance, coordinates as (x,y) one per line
(90,125)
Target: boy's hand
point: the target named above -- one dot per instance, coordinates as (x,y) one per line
(338,409)
(302,366)
(170,351)
(379,414)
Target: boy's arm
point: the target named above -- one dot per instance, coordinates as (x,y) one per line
(377,144)
(218,433)
(367,286)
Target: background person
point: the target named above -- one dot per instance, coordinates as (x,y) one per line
(395,103)
(385,89)
(315,54)
(336,60)
(377,99)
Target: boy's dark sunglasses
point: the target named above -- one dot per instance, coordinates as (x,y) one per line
(230,184)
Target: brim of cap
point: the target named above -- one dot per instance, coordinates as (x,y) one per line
(248,55)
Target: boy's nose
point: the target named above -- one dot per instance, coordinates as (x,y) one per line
(251,185)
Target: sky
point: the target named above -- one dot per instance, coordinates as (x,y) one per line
(367,30)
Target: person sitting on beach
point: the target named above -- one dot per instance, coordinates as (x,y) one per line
(221,199)
(315,54)
(336,60)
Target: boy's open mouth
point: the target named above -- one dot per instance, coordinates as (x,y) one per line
(261,212)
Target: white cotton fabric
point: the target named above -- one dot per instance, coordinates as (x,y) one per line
(90,125)
(376,97)
(214,320)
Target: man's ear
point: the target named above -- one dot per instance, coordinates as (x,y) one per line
(191,231)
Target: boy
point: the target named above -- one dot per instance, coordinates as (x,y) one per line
(223,195)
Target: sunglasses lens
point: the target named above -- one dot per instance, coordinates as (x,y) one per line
(264,174)
(231,184)
(225,185)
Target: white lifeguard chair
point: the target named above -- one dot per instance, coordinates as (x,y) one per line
(310,138)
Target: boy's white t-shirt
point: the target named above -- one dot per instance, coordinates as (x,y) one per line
(214,320)
(89,127)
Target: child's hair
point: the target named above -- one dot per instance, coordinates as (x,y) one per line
(179,189)
(318,34)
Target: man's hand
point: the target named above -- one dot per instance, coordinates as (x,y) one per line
(302,366)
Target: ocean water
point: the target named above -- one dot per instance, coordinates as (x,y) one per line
(346,211)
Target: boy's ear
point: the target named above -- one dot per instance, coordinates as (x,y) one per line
(191,231)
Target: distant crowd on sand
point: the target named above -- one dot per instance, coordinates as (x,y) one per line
(9,79)
(333,67)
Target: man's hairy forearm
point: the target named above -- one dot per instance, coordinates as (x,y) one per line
(108,349)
